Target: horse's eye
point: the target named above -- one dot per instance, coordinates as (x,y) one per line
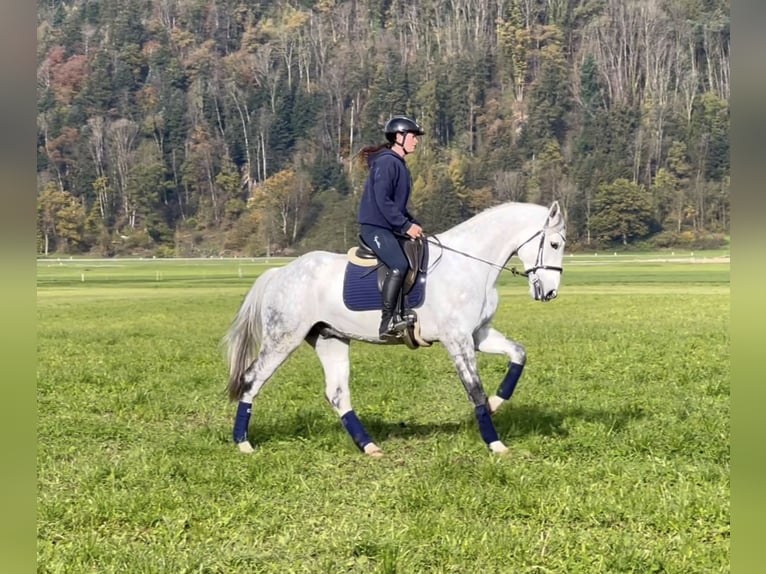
(555,244)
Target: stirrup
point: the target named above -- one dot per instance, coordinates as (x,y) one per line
(394,330)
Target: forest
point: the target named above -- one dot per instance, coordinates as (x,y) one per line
(174,128)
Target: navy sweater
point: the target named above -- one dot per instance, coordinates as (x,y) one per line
(386,193)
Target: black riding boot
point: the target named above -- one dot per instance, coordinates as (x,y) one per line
(390,324)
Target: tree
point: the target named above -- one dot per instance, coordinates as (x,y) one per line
(622,212)
(280,201)
(709,136)
(434,199)
(199,171)
(60,220)
(590,153)
(121,137)
(546,181)
(514,40)
(664,191)
(549,97)
(679,170)
(145,188)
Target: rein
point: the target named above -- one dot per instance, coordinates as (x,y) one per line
(434,241)
(513,270)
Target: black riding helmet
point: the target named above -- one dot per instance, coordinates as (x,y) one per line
(401,125)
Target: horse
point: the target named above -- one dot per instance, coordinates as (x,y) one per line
(302,301)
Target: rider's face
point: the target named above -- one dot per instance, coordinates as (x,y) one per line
(410,142)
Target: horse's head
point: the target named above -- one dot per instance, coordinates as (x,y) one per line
(543,255)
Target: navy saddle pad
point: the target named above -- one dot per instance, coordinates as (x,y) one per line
(360,289)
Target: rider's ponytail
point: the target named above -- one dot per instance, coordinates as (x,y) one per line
(367,153)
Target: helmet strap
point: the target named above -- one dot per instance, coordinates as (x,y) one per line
(401,145)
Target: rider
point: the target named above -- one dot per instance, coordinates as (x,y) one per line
(383,210)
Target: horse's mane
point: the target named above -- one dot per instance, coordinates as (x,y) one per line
(504,212)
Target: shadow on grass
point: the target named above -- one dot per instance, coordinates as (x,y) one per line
(513,421)
(526,420)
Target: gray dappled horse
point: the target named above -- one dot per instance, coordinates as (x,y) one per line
(303,301)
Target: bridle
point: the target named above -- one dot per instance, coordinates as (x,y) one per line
(535,280)
(539,260)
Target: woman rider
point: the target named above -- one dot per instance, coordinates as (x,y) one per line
(383,211)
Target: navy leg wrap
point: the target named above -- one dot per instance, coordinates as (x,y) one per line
(354,427)
(241,422)
(506,388)
(486,428)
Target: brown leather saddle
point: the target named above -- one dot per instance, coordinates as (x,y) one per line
(415,250)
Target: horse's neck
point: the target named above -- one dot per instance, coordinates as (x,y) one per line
(496,233)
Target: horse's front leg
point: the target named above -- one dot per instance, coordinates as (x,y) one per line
(464,357)
(488,340)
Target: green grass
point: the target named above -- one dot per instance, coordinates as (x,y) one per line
(623,410)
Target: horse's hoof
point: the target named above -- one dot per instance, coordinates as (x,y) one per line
(373,451)
(494,404)
(245,447)
(497,447)
(516,453)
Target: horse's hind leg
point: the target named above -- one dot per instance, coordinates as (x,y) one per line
(488,340)
(333,354)
(268,360)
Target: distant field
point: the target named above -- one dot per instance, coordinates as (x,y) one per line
(623,410)
(634,267)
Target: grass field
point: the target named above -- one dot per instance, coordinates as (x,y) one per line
(623,411)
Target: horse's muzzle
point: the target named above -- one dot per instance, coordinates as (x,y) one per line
(537,290)
(550,295)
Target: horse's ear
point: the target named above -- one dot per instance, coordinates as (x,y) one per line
(554,212)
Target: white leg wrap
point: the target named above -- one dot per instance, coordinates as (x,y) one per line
(245,447)
(494,403)
(373,450)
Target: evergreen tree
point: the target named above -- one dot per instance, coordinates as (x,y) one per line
(97,95)
(709,136)
(549,98)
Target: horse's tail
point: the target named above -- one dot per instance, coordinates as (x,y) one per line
(243,338)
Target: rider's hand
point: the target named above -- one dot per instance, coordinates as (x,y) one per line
(415,231)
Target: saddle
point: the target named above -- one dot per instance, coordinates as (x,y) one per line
(415,250)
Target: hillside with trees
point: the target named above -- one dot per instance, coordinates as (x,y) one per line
(231,127)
